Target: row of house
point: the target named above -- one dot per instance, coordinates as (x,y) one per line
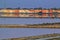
(30,12)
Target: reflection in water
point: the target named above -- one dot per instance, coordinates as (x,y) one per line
(24,32)
(27,20)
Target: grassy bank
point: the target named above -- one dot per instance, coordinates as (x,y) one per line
(44,25)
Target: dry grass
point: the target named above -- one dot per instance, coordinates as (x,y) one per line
(47,25)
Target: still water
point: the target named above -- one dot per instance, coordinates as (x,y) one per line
(24,32)
(27,20)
